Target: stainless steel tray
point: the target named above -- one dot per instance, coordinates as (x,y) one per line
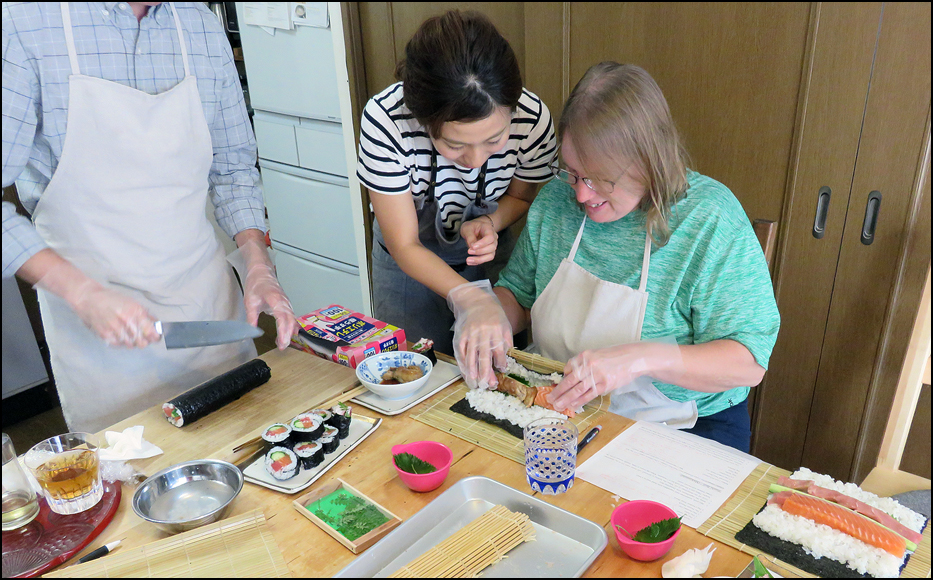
(443,375)
(566,544)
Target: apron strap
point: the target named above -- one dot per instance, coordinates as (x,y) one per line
(181,39)
(576,242)
(644,263)
(70,38)
(73,53)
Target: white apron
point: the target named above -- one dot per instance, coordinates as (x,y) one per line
(126,206)
(578,311)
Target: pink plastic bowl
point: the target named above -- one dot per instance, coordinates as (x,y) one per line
(437,454)
(634,516)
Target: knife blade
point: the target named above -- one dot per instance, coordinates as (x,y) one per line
(205,332)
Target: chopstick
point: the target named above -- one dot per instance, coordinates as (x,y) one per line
(341,398)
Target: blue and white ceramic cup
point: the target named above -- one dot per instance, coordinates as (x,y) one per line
(551,454)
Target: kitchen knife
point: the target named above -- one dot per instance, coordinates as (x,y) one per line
(205,332)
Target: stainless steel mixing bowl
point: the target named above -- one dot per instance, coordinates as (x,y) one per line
(187,495)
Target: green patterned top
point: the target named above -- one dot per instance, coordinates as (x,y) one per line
(709,282)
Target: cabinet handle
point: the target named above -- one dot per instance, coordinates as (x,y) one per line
(871,217)
(822,210)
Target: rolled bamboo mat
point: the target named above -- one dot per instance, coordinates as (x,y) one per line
(752,496)
(473,548)
(240,547)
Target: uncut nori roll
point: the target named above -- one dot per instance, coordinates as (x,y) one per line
(211,395)
(306,427)
(281,463)
(310,454)
(278,434)
(343,414)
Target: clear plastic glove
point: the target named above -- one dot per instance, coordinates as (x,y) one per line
(262,293)
(597,372)
(114,317)
(481,238)
(482,333)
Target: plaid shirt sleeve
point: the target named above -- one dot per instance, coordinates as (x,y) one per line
(234,178)
(20,119)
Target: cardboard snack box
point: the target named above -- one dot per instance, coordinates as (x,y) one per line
(366,336)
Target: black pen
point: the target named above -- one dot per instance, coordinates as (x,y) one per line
(102,551)
(588,437)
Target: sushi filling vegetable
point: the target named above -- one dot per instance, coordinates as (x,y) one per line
(281,463)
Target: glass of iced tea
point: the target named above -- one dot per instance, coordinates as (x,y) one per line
(67,468)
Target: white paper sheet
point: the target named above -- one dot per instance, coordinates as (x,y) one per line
(267,14)
(691,475)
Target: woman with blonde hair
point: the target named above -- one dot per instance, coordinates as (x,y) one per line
(644,276)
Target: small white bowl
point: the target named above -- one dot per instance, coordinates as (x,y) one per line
(371,369)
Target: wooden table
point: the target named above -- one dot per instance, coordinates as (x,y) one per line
(297,381)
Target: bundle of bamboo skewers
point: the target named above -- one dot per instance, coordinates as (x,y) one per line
(480,544)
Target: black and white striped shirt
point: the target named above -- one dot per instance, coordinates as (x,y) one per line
(395,155)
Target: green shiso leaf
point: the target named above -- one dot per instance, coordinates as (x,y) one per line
(760,570)
(658,531)
(411,464)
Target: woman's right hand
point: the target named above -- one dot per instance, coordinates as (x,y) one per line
(481,238)
(482,333)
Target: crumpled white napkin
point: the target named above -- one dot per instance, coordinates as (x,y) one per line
(127,445)
(690,564)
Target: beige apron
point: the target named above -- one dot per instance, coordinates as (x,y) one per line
(578,311)
(126,206)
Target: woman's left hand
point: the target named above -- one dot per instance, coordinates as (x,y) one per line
(481,238)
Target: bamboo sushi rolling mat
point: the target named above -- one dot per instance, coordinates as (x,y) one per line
(241,547)
(752,496)
(438,415)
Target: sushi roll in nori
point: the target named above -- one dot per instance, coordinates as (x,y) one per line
(324,414)
(330,442)
(342,417)
(278,434)
(425,347)
(310,454)
(306,427)
(281,463)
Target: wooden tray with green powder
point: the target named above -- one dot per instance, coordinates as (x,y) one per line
(347,515)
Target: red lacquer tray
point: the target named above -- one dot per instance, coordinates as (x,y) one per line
(51,539)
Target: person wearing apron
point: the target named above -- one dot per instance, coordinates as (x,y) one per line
(452,156)
(654,291)
(129,243)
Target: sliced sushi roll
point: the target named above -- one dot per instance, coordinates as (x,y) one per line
(306,427)
(281,463)
(310,454)
(330,440)
(324,414)
(278,434)
(343,415)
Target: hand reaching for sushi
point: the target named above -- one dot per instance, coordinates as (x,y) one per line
(482,333)
(482,239)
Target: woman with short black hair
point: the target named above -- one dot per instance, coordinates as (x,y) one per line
(452,155)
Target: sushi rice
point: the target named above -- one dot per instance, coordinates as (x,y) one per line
(534,379)
(507,408)
(819,540)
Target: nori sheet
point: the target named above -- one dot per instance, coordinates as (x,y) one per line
(463,407)
(794,554)
(219,391)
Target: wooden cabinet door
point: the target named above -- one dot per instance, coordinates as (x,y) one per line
(891,148)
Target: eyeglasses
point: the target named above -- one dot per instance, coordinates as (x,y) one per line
(600,186)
